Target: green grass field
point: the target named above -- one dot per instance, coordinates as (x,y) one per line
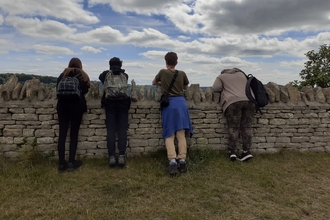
(286,185)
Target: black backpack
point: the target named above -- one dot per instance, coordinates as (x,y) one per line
(68,87)
(261,96)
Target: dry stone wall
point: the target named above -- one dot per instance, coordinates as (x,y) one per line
(297,120)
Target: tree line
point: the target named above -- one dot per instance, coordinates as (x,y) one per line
(22,77)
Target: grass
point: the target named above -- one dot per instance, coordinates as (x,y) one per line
(286,185)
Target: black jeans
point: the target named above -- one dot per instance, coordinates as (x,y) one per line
(73,116)
(117,122)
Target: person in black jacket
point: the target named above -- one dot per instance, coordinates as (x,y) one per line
(70,111)
(116,110)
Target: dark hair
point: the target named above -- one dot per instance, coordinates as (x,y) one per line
(75,63)
(171,58)
(115,61)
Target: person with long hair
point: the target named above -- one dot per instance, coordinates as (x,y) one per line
(175,117)
(70,112)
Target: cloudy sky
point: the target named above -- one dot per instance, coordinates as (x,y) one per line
(266,38)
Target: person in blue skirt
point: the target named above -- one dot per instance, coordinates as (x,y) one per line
(175,117)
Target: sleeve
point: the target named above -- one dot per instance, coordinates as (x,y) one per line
(217,85)
(59,79)
(102,76)
(157,77)
(185,79)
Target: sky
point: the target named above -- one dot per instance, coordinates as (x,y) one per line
(268,39)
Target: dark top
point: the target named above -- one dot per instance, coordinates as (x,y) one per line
(81,103)
(116,70)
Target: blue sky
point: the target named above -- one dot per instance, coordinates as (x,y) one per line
(266,38)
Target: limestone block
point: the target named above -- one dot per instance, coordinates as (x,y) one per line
(308,90)
(271,95)
(284,95)
(6,140)
(319,96)
(326,92)
(17,91)
(208,94)
(12,132)
(25,117)
(28,132)
(45,140)
(8,87)
(294,93)
(216,97)
(275,89)
(134,97)
(44,133)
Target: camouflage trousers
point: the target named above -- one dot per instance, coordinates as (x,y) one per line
(239,117)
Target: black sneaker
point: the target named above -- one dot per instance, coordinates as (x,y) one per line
(172,169)
(61,168)
(74,166)
(232,157)
(182,166)
(245,156)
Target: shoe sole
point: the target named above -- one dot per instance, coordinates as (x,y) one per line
(246,158)
(233,158)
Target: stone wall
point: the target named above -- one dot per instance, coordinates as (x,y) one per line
(297,120)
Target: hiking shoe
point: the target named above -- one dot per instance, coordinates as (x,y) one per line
(61,168)
(245,156)
(112,161)
(75,165)
(182,166)
(121,161)
(233,157)
(172,168)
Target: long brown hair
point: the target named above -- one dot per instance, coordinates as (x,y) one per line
(75,63)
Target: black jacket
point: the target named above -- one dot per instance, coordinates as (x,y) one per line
(81,103)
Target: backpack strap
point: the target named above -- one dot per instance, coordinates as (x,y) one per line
(172,82)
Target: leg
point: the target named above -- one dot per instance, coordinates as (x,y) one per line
(63,119)
(111,129)
(122,126)
(169,143)
(246,128)
(233,115)
(182,144)
(76,118)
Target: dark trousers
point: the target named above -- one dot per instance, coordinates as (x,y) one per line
(239,119)
(68,116)
(117,122)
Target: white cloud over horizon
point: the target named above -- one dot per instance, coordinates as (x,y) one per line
(267,39)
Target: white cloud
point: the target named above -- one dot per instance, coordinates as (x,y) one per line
(89,49)
(34,27)
(50,50)
(1,20)
(139,6)
(69,10)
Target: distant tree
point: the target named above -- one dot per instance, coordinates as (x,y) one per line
(317,68)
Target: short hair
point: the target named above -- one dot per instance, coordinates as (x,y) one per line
(115,61)
(171,58)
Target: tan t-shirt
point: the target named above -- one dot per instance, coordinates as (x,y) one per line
(165,76)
